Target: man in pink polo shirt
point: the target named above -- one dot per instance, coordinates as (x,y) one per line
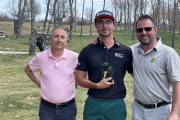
(56,81)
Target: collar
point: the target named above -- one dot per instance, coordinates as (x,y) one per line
(115,42)
(158,44)
(64,55)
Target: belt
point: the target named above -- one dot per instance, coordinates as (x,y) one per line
(61,105)
(150,106)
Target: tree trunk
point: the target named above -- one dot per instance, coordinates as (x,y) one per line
(45,21)
(128,19)
(91,19)
(158,15)
(75,18)
(54,13)
(33,29)
(82,17)
(21,18)
(141,7)
(71,20)
(134,24)
(115,13)
(174,28)
(121,14)
(125,22)
(169,17)
(179,25)
(104,4)
(164,24)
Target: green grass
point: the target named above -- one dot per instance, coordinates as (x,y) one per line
(19,96)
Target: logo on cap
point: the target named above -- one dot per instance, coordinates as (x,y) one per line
(104,13)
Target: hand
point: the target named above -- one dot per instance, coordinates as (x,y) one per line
(104,83)
(94,41)
(172,117)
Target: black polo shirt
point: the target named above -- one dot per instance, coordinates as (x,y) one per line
(118,59)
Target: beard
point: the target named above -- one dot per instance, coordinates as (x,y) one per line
(147,41)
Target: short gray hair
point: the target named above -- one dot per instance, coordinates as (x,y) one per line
(59,28)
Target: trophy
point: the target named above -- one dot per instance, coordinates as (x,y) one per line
(107,69)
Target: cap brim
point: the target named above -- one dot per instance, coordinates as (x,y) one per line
(103,16)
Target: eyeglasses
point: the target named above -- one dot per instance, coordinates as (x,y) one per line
(101,23)
(147,29)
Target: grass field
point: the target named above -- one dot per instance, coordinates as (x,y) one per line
(19,96)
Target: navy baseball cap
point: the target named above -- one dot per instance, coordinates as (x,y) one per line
(104,14)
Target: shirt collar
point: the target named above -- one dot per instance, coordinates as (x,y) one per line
(156,47)
(64,55)
(158,44)
(115,42)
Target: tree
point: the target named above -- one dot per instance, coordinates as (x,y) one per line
(169,16)
(54,13)
(158,14)
(142,6)
(82,17)
(134,23)
(174,28)
(63,10)
(104,4)
(22,12)
(125,15)
(121,13)
(32,41)
(128,16)
(21,16)
(115,5)
(71,20)
(47,11)
(91,19)
(75,18)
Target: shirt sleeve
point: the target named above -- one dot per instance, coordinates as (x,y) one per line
(34,64)
(130,62)
(173,67)
(76,59)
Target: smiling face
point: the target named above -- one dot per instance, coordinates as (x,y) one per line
(104,27)
(58,39)
(146,37)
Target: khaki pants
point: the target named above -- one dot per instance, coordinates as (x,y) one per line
(141,113)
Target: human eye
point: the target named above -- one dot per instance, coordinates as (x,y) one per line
(108,22)
(63,37)
(100,22)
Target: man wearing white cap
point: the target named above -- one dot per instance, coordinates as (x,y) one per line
(106,63)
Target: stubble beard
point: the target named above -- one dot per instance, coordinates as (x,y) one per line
(147,41)
(105,35)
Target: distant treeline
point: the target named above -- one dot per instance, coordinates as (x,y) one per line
(5,17)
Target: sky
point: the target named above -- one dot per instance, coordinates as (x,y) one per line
(98,5)
(2,4)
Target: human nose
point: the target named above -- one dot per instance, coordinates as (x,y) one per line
(143,31)
(59,38)
(104,24)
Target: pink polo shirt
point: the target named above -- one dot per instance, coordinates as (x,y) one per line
(56,76)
